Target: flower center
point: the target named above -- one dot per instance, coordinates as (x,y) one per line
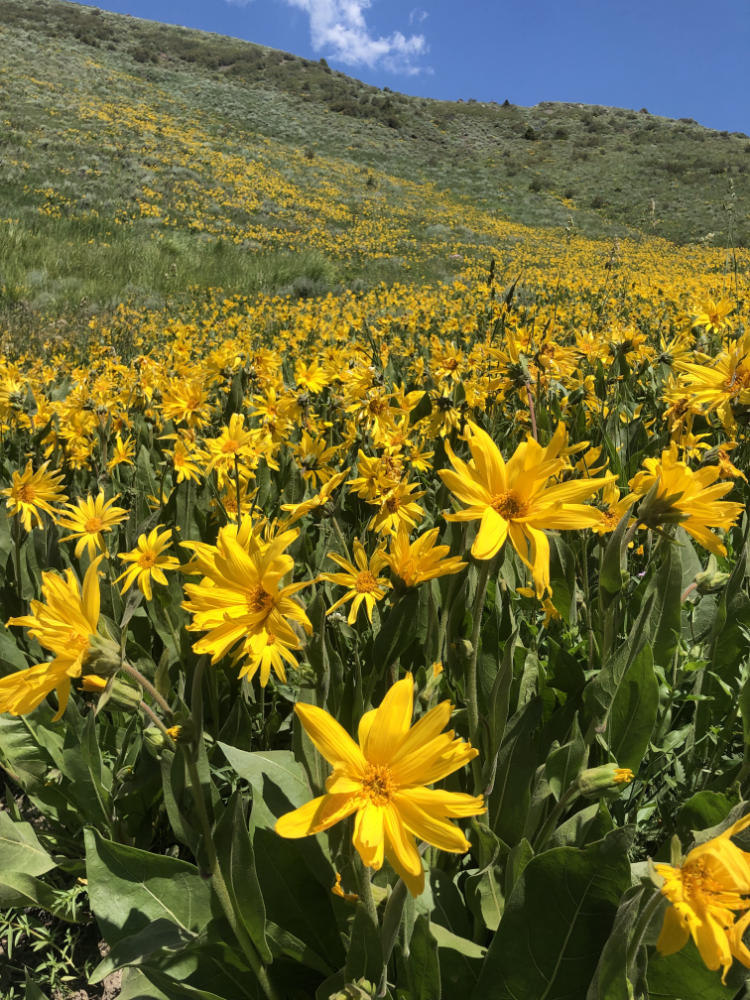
(697,880)
(365,582)
(259,599)
(392,504)
(377,784)
(739,381)
(93,525)
(26,494)
(147,560)
(509,506)
(230,446)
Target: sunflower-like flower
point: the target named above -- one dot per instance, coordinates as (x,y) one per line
(64,624)
(148,562)
(516,500)
(420,560)
(670,492)
(298,510)
(707,892)
(89,519)
(712,315)
(383,781)
(240,596)
(31,492)
(720,384)
(362,580)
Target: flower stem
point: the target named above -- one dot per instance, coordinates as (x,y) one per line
(644,919)
(147,710)
(147,686)
(472,694)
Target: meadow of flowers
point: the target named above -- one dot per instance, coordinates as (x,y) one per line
(390,643)
(375,607)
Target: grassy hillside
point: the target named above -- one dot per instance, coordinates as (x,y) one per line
(138,160)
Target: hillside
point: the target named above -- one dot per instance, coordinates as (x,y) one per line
(139,159)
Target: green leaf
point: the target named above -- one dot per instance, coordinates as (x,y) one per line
(20,850)
(600,693)
(702,810)
(423,963)
(130,889)
(364,956)
(616,978)
(666,615)
(160,935)
(556,922)
(397,631)
(613,568)
(237,861)
(633,713)
(683,976)
(32,991)
(20,889)
(281,770)
(563,764)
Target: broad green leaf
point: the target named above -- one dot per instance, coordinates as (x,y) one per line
(277,768)
(20,889)
(423,963)
(32,991)
(129,889)
(555,922)
(160,935)
(620,975)
(702,810)
(632,715)
(20,850)
(237,861)
(684,976)
(563,764)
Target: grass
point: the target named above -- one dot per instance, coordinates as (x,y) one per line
(138,160)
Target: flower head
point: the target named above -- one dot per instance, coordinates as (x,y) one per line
(148,562)
(670,492)
(89,519)
(706,892)
(382,780)
(515,500)
(31,492)
(64,624)
(361,578)
(420,560)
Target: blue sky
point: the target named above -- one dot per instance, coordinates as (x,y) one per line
(679,58)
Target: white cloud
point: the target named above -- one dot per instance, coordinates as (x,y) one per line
(416,16)
(338,29)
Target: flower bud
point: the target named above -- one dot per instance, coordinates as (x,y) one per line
(604,778)
(655,509)
(711,582)
(104,656)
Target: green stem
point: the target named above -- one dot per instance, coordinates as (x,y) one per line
(146,684)
(550,823)
(641,927)
(147,710)
(472,694)
(17,553)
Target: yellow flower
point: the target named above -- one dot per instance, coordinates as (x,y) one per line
(383,780)
(89,519)
(148,562)
(365,586)
(298,510)
(265,651)
(122,453)
(420,560)
(706,892)
(712,315)
(398,509)
(64,625)
(240,596)
(31,492)
(514,501)
(670,492)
